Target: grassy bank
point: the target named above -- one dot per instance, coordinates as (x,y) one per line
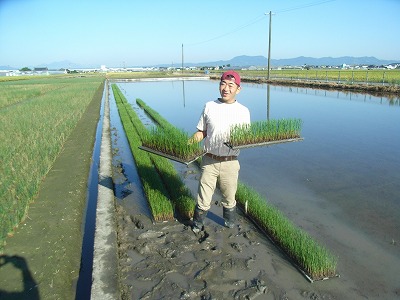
(37,117)
(42,258)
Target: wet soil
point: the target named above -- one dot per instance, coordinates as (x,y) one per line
(169,261)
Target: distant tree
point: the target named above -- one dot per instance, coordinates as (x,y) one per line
(25,69)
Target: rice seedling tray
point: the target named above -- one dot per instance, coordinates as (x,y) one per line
(177,159)
(263,143)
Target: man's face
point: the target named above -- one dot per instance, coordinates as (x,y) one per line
(228,90)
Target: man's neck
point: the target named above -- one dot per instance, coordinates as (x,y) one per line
(227,102)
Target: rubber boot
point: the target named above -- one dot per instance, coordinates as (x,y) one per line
(229,215)
(198,219)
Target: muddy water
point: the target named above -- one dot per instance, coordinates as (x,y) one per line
(341,184)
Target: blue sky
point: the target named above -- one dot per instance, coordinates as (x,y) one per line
(140,33)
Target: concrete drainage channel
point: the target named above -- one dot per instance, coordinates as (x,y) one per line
(98,278)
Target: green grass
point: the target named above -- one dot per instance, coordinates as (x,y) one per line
(36,118)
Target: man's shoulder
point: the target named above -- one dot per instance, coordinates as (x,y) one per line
(212,102)
(241,105)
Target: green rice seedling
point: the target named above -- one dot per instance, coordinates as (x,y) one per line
(265,131)
(312,258)
(172,141)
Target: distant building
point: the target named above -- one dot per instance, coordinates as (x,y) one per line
(345,66)
(44,70)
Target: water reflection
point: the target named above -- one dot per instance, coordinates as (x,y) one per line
(268,98)
(183,92)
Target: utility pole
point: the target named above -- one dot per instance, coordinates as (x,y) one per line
(269,43)
(182,58)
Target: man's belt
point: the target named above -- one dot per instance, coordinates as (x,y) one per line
(221,158)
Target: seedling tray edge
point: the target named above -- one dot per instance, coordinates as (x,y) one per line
(170,156)
(263,143)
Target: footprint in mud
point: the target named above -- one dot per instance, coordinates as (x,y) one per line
(202,236)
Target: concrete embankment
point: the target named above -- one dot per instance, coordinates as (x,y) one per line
(105,257)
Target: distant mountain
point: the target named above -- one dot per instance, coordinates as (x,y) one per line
(8,68)
(242,61)
(261,61)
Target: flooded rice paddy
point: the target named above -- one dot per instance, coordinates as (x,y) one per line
(341,184)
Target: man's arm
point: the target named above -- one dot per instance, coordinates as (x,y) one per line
(198,136)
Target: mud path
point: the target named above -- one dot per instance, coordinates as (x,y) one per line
(168,261)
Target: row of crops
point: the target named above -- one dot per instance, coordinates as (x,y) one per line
(313,259)
(37,116)
(164,189)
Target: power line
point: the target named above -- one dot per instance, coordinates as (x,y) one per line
(303,6)
(256,20)
(260,18)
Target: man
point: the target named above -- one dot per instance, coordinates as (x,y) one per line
(220,161)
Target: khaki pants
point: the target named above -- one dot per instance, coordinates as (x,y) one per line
(228,174)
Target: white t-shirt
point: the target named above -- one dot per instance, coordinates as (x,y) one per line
(217,118)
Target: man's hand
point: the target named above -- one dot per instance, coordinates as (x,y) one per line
(197,137)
